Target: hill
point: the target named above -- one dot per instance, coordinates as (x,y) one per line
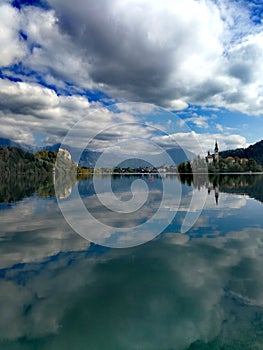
(15,161)
(252,152)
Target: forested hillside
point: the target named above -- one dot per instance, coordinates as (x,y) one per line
(252,152)
(15,161)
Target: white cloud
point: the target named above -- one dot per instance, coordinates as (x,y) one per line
(12,47)
(26,107)
(166,60)
(170,63)
(224,129)
(54,53)
(220,127)
(189,141)
(178,105)
(157,59)
(198,120)
(173,58)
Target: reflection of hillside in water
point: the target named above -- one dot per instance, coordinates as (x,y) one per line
(251,185)
(15,188)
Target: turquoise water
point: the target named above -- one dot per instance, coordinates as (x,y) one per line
(202,289)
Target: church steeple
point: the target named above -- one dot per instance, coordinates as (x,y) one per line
(216,151)
(216,146)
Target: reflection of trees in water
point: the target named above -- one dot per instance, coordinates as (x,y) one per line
(251,185)
(23,174)
(211,183)
(16,187)
(198,180)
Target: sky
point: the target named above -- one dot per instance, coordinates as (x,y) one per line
(201,61)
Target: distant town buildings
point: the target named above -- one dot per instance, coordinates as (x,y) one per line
(164,169)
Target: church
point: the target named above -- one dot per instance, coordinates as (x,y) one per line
(210,158)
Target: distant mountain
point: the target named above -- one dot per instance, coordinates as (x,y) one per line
(172,155)
(179,155)
(7,142)
(4,142)
(89,158)
(52,148)
(254,151)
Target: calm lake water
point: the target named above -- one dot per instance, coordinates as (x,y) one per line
(202,289)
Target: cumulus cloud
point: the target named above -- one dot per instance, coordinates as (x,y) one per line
(53,53)
(166,52)
(198,120)
(152,52)
(12,47)
(188,141)
(178,105)
(159,52)
(224,129)
(135,50)
(26,108)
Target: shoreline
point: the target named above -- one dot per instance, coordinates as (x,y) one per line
(176,174)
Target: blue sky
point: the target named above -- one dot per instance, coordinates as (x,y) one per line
(200,60)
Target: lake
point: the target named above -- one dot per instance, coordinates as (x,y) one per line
(189,275)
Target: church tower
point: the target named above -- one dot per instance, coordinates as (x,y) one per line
(216,152)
